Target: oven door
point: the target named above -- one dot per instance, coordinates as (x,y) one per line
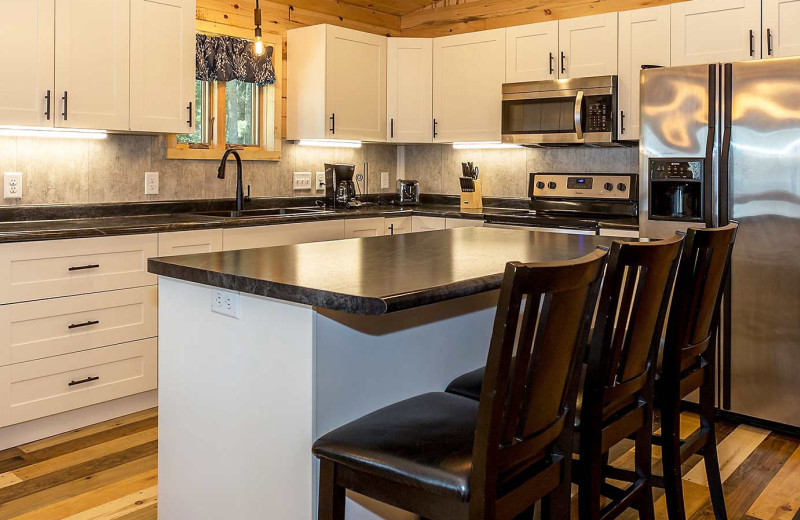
(569,116)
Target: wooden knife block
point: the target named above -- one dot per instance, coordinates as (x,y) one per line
(473,199)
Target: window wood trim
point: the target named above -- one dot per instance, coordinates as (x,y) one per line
(269,131)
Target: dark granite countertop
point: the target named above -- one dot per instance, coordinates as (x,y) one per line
(378,275)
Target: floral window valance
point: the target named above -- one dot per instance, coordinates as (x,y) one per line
(225,58)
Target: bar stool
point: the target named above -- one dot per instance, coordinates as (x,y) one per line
(617,398)
(688,363)
(443,456)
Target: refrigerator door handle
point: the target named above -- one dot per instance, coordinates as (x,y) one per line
(725,148)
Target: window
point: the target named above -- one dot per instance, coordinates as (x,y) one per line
(234,114)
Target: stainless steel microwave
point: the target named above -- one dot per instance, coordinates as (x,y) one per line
(561,111)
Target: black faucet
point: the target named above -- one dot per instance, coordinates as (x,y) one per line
(240,198)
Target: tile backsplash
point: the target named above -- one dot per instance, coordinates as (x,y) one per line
(112,170)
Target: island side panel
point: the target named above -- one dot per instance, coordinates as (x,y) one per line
(236,410)
(366,362)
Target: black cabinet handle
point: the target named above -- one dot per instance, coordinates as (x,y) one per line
(391,128)
(563,68)
(47,109)
(621,121)
(391,229)
(769,42)
(82,381)
(752,43)
(191,114)
(66,99)
(84,324)
(333,124)
(435,133)
(550,64)
(84,267)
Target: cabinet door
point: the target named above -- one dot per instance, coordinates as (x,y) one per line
(356,84)
(409,86)
(468,75)
(532,52)
(162,65)
(27,40)
(710,31)
(397,226)
(420,224)
(643,40)
(781,22)
(364,227)
(587,46)
(92,64)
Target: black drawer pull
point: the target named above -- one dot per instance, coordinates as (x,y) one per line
(82,381)
(84,267)
(84,324)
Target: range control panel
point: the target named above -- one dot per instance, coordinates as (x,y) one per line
(571,186)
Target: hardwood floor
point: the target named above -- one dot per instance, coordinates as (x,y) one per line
(109,472)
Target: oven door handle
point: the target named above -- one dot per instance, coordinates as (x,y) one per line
(579,115)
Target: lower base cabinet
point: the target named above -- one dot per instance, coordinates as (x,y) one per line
(453,223)
(282,234)
(420,224)
(397,225)
(364,227)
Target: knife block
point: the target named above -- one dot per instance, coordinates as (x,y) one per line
(472,199)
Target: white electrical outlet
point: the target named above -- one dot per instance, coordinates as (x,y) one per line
(320,181)
(151,183)
(12,185)
(384,180)
(302,180)
(225,302)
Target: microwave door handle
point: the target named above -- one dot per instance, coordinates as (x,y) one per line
(579,115)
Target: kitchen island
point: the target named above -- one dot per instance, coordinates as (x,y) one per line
(264,350)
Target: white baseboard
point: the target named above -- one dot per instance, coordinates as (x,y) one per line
(23,433)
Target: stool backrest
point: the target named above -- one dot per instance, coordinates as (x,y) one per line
(540,332)
(630,318)
(698,292)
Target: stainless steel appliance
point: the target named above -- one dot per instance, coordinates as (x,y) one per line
(729,134)
(340,190)
(407,192)
(571,111)
(584,204)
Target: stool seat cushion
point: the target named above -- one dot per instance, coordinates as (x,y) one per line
(468,385)
(424,442)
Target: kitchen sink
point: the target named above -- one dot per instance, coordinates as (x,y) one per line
(270,212)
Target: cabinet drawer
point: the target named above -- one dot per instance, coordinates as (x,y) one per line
(47,269)
(45,328)
(419,224)
(49,386)
(282,234)
(189,242)
(363,227)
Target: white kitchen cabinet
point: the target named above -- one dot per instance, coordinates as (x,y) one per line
(398,226)
(92,64)
(364,227)
(162,65)
(419,224)
(781,20)
(336,85)
(587,46)
(710,31)
(532,52)
(453,223)
(27,40)
(189,242)
(643,40)
(282,234)
(409,90)
(468,74)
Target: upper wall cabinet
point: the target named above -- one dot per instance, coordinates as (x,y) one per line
(162,65)
(92,64)
(781,26)
(709,31)
(532,52)
(643,40)
(587,46)
(26,37)
(336,84)
(409,90)
(468,75)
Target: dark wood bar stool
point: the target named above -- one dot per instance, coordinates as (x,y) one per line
(444,456)
(688,363)
(617,397)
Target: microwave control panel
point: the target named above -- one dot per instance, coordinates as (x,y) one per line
(599,111)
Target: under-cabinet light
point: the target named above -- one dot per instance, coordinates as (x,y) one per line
(58,133)
(483,144)
(330,143)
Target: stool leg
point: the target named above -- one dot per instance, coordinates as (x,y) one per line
(709,452)
(644,461)
(331,496)
(671,459)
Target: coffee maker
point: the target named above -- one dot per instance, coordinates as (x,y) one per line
(340,191)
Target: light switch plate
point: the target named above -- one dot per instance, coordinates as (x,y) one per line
(320,181)
(151,183)
(12,185)
(225,303)
(302,181)
(384,180)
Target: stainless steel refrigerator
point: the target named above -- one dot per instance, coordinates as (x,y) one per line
(721,142)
